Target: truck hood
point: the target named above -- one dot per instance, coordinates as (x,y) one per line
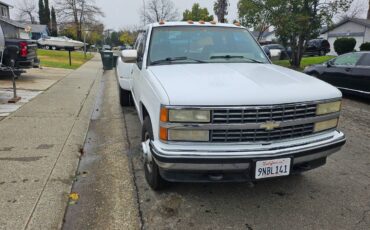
(226,84)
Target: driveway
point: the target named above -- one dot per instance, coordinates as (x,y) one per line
(29,85)
(335,196)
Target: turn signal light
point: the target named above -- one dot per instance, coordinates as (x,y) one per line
(163,134)
(164,114)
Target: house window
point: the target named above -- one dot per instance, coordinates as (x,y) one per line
(4,12)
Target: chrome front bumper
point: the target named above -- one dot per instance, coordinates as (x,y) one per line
(239,157)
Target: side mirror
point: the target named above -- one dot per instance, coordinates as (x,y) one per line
(129,56)
(330,63)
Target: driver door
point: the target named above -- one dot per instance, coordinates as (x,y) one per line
(137,70)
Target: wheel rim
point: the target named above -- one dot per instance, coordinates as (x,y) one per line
(148,164)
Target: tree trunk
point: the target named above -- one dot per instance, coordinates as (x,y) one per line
(368,12)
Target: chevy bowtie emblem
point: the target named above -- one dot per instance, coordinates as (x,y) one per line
(270,125)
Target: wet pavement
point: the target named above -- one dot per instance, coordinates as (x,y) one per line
(104,179)
(336,196)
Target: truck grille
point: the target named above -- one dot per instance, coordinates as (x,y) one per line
(261,135)
(260,114)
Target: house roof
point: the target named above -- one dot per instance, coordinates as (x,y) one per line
(363,22)
(37,28)
(5,4)
(13,23)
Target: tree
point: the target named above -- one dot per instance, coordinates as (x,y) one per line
(255,14)
(47,14)
(157,10)
(41,11)
(220,9)
(78,13)
(197,14)
(297,21)
(127,38)
(26,10)
(54,24)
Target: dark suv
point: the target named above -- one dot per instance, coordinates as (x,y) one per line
(318,47)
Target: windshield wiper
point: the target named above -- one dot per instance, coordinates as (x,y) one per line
(234,56)
(174,59)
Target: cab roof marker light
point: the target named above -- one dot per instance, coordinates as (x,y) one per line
(190,22)
(202,22)
(213,22)
(237,24)
(162,22)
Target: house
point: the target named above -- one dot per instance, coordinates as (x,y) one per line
(266,37)
(359,29)
(11,28)
(4,10)
(38,31)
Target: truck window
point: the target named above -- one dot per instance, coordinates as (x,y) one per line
(140,51)
(207,44)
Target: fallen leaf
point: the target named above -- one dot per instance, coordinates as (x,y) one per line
(74,196)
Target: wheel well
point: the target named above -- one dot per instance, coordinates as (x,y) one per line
(144,112)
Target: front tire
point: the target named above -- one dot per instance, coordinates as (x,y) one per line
(151,169)
(125,98)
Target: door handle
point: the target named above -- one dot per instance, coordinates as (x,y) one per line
(348,69)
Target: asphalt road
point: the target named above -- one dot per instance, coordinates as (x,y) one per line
(336,196)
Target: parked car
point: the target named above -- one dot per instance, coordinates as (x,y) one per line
(214,108)
(349,72)
(318,47)
(267,51)
(107,47)
(27,57)
(283,54)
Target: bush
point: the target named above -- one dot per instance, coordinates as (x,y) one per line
(365,46)
(344,45)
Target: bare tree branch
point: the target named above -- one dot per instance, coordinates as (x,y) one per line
(357,10)
(78,12)
(26,10)
(157,10)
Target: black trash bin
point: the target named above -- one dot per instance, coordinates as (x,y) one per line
(115,58)
(107,58)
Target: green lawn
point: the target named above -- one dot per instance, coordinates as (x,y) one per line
(60,59)
(306,61)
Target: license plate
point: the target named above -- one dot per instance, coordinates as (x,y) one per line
(272,168)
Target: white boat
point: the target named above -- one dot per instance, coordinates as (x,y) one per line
(63,42)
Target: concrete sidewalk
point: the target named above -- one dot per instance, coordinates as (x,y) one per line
(40,149)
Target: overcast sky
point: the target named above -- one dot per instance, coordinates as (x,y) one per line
(120,13)
(126,13)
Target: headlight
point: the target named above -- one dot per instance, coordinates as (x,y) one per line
(199,116)
(326,108)
(188,135)
(325,125)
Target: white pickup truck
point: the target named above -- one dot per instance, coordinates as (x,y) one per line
(214,108)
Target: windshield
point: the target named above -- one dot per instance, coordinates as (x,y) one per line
(194,44)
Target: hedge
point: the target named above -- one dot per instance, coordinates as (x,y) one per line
(365,46)
(344,45)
